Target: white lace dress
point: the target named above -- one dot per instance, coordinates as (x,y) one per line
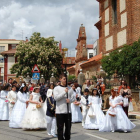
(98,116)
(34,117)
(120,121)
(18,110)
(4,109)
(76,112)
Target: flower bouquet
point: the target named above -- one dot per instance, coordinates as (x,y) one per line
(77,103)
(7,101)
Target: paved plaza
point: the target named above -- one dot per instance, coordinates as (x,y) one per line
(78,133)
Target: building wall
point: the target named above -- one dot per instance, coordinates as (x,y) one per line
(95,48)
(127,29)
(91,70)
(11,62)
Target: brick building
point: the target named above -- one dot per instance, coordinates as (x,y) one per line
(84,57)
(119,23)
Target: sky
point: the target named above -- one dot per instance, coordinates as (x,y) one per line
(59,18)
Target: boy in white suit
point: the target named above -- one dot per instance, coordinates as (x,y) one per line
(12,97)
(84,102)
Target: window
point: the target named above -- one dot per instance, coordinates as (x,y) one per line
(2,70)
(13,46)
(114,9)
(1,60)
(90,55)
(2,49)
(105,4)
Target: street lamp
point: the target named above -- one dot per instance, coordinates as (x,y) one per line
(65,63)
(65,51)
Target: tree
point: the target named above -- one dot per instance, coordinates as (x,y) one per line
(71,78)
(41,51)
(125,61)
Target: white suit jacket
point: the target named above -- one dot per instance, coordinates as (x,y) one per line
(12,97)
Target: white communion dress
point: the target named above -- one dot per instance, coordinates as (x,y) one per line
(76,112)
(120,121)
(95,116)
(18,110)
(4,108)
(34,117)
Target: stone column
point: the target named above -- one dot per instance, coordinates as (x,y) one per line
(52,79)
(81,78)
(42,79)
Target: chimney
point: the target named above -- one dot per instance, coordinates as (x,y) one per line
(60,46)
(26,39)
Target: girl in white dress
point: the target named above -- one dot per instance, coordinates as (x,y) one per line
(95,116)
(75,109)
(34,117)
(116,118)
(4,108)
(19,108)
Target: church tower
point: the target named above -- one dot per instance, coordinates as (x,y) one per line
(81,45)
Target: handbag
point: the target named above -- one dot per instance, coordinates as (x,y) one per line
(125,102)
(38,106)
(112,112)
(91,113)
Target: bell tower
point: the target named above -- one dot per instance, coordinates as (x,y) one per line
(81,45)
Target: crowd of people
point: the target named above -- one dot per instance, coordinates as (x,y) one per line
(47,106)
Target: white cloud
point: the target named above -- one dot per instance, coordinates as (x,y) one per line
(59,18)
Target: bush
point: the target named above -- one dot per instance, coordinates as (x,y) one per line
(71,78)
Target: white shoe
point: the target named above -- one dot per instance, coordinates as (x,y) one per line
(55,136)
(49,134)
(112,131)
(83,124)
(125,131)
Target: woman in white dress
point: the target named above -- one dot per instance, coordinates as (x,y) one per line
(19,108)
(116,118)
(75,109)
(95,116)
(34,117)
(4,108)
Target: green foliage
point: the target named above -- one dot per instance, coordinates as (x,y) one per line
(94,78)
(41,51)
(71,78)
(125,61)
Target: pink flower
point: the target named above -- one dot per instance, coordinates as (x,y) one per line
(6,101)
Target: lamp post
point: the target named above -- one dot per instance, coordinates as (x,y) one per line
(65,51)
(27,79)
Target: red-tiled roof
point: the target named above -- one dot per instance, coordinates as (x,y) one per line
(90,46)
(72,67)
(11,51)
(95,58)
(7,39)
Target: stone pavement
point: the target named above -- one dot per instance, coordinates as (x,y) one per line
(78,133)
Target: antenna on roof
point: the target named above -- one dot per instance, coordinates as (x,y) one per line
(22,34)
